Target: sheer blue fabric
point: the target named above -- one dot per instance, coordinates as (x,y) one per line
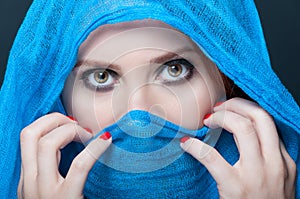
(145,161)
(45,50)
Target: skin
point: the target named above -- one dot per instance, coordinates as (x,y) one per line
(264,170)
(135,45)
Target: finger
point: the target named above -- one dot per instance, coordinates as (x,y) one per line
(83,163)
(49,146)
(20,185)
(26,188)
(30,136)
(219,168)
(291,168)
(242,129)
(262,121)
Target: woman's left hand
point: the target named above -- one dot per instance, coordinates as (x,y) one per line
(264,169)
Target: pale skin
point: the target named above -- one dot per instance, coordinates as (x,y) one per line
(264,170)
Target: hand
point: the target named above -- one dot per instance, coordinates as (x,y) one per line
(41,142)
(264,169)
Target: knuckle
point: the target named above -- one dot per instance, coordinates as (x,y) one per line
(261,114)
(78,165)
(245,126)
(72,128)
(46,144)
(27,134)
(234,100)
(56,115)
(209,155)
(75,127)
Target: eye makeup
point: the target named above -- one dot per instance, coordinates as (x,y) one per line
(173,72)
(100,80)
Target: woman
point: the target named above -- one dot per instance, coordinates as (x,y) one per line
(54,38)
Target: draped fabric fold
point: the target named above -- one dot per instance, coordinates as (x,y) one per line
(45,51)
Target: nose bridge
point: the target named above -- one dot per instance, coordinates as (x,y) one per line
(142,97)
(146,96)
(140,88)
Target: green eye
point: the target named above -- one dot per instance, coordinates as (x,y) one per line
(101,76)
(100,79)
(175,70)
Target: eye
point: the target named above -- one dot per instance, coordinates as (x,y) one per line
(100,79)
(175,70)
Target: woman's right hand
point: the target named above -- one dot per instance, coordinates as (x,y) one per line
(41,142)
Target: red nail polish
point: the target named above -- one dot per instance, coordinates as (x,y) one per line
(88,130)
(72,118)
(207,116)
(105,136)
(218,104)
(184,139)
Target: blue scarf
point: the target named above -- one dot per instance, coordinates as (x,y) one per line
(46,46)
(146,161)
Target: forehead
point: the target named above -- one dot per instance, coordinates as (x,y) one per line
(113,40)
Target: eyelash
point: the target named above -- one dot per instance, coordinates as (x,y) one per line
(102,88)
(188,67)
(186,76)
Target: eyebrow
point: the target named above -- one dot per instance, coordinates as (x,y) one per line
(169,56)
(97,63)
(160,59)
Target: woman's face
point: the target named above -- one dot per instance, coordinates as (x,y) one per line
(141,65)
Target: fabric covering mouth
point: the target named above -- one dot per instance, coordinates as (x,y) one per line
(144,142)
(145,156)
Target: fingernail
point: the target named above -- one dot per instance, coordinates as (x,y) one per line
(88,130)
(184,139)
(207,116)
(105,136)
(218,104)
(72,118)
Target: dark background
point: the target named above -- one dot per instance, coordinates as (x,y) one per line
(280,20)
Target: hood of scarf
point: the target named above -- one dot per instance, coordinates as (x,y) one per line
(46,46)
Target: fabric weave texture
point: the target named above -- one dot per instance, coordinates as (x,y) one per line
(46,46)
